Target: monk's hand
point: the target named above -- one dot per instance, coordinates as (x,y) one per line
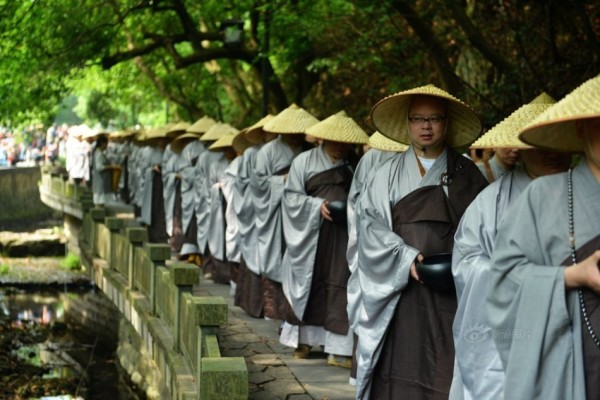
(325,211)
(413,268)
(156,168)
(585,273)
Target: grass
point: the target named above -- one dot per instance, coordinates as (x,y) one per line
(71,262)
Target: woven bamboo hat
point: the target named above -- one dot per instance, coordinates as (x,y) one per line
(181,141)
(152,135)
(202,125)
(87,132)
(254,132)
(380,142)
(390,116)
(241,142)
(217,131)
(555,129)
(177,129)
(506,133)
(339,128)
(292,120)
(223,141)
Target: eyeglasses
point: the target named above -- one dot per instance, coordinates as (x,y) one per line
(436,119)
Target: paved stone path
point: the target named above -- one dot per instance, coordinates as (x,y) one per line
(274,373)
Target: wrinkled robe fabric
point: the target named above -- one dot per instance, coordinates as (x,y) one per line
(169,173)
(216,218)
(536,322)
(384,259)
(101,180)
(202,184)
(189,158)
(478,372)
(366,167)
(152,156)
(243,207)
(496,170)
(301,227)
(232,235)
(267,190)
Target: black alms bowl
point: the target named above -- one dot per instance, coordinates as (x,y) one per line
(436,272)
(337,210)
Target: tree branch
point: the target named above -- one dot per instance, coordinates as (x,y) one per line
(450,80)
(477,40)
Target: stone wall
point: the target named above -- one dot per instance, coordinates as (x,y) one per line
(20,198)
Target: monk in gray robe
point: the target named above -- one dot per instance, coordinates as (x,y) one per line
(409,211)
(263,279)
(314,268)
(248,290)
(502,162)
(478,372)
(152,199)
(190,154)
(380,150)
(102,175)
(217,223)
(545,279)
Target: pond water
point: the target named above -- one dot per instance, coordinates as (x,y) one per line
(54,346)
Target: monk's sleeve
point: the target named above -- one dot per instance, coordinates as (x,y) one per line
(527,306)
(384,259)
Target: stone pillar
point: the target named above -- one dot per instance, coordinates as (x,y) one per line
(183,276)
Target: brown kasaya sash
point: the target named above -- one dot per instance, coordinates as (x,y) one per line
(417,358)
(327,300)
(591,353)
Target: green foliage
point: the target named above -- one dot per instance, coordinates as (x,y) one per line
(71,262)
(4,269)
(127,61)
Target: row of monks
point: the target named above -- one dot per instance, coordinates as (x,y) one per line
(432,274)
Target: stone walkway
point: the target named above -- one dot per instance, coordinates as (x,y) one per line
(274,373)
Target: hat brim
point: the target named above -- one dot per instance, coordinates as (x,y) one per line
(390,117)
(556,135)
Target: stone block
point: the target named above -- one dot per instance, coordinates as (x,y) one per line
(184,274)
(136,235)
(223,378)
(114,224)
(98,214)
(158,251)
(210,310)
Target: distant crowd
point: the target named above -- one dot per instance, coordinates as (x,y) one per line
(34,145)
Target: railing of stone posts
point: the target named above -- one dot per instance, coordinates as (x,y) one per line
(178,329)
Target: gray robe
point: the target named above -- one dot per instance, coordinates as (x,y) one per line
(101,179)
(536,320)
(216,218)
(384,259)
(152,156)
(478,372)
(243,206)
(169,172)
(267,190)
(202,184)
(132,177)
(232,234)
(366,168)
(301,224)
(189,156)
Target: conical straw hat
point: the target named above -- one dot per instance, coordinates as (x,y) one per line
(181,141)
(506,132)
(218,131)
(241,142)
(254,132)
(223,141)
(390,116)
(202,125)
(291,120)
(153,134)
(555,129)
(380,142)
(339,128)
(177,129)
